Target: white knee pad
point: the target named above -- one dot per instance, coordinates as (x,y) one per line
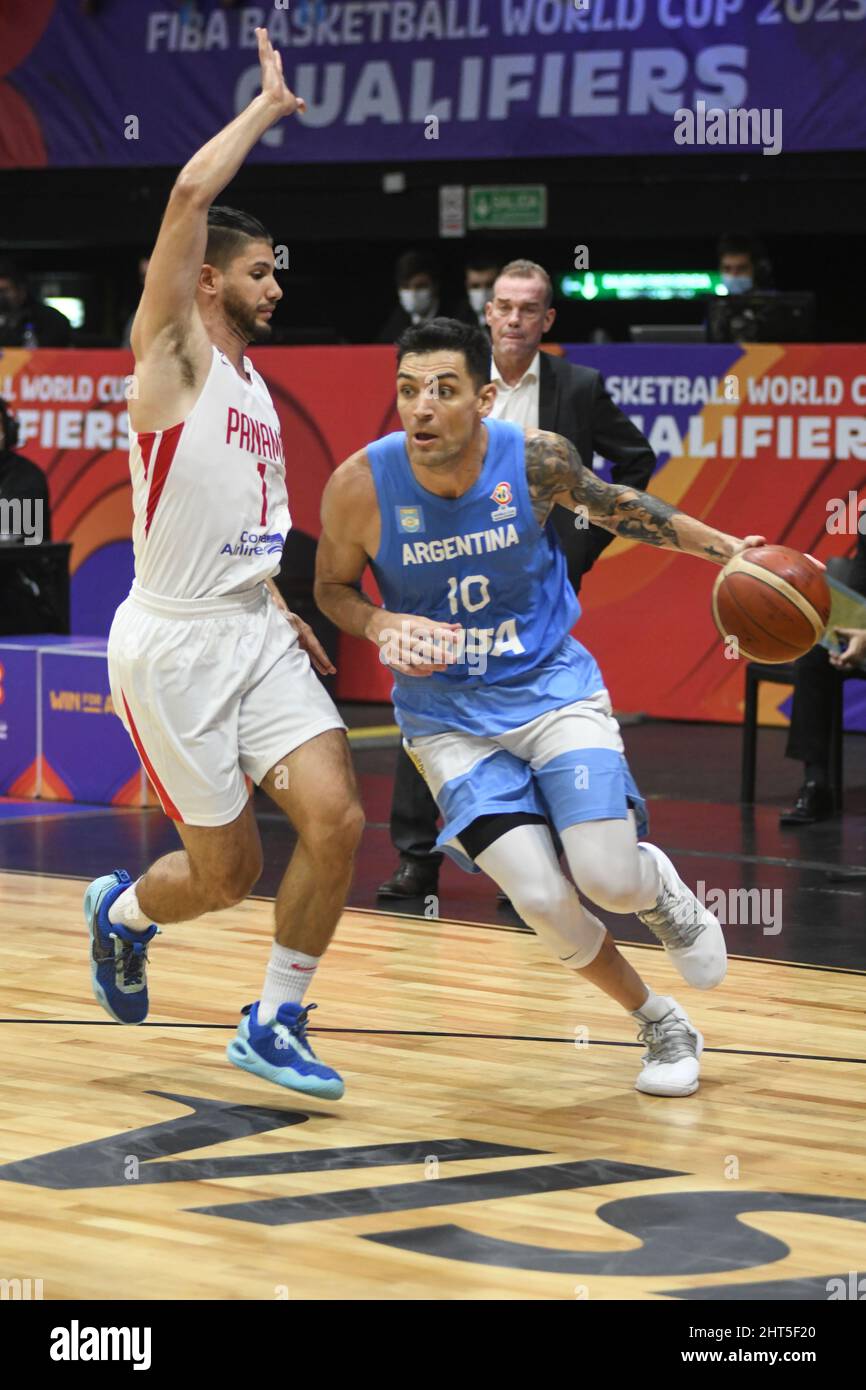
(607,865)
(525,866)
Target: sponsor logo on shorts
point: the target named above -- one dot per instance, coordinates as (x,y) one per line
(410,519)
(501,494)
(256,543)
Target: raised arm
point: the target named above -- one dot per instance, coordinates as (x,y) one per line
(168,300)
(556,475)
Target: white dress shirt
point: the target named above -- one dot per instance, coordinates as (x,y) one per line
(518,403)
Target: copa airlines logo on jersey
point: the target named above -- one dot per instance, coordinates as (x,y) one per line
(256,543)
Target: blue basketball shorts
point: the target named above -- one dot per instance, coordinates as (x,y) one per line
(567,765)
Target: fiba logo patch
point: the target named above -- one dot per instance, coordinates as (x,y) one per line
(501,494)
(410,519)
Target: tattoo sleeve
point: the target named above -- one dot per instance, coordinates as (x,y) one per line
(556,475)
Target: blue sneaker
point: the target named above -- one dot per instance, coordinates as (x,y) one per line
(118,956)
(279,1051)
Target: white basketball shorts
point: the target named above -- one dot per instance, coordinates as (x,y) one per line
(212,691)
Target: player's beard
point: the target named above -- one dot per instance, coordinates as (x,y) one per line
(243,318)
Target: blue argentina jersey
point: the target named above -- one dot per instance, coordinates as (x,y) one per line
(483,561)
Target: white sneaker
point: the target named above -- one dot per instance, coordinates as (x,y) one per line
(689,932)
(673,1046)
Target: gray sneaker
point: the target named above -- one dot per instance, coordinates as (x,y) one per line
(673,1046)
(689,932)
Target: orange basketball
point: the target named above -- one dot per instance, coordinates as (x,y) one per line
(775,601)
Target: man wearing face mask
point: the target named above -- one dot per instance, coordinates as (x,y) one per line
(23,488)
(479,279)
(743,264)
(417,277)
(24,322)
(535,390)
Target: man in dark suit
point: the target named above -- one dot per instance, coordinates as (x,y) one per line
(539,391)
(816,686)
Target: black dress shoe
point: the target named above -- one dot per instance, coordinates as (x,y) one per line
(814,802)
(412,880)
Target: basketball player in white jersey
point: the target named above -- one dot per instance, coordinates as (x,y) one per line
(210,672)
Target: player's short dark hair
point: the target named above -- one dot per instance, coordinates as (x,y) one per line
(227,232)
(454,337)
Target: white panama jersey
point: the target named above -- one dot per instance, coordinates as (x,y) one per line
(209,494)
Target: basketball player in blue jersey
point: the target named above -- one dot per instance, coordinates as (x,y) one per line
(504,713)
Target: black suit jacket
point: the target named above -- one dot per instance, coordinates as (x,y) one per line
(573,401)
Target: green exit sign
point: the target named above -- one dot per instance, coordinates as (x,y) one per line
(640,284)
(508,205)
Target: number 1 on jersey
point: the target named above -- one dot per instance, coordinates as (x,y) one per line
(262,467)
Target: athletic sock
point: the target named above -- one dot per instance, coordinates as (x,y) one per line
(654,1008)
(125,911)
(288,975)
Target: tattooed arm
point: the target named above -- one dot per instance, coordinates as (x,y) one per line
(556,475)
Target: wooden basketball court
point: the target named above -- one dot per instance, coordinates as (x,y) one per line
(490,1143)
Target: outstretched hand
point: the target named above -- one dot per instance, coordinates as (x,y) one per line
(273,83)
(853,655)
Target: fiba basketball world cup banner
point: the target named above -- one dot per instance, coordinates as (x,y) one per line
(754,440)
(142,82)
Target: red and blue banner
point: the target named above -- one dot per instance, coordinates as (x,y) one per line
(755,439)
(145,82)
(59,737)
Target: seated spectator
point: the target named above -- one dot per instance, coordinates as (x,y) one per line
(814,689)
(25,515)
(24,321)
(743,264)
(479,278)
(417,279)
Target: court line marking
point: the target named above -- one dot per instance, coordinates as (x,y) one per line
(42,818)
(423,1033)
(619,941)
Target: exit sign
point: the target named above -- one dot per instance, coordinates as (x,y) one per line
(508,205)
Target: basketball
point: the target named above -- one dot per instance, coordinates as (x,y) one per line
(774,601)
